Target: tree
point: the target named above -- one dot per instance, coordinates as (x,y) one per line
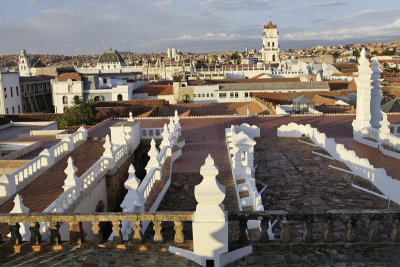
(336,54)
(356,53)
(386,52)
(235,57)
(80,113)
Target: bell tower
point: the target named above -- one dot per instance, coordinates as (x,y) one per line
(24,64)
(270,47)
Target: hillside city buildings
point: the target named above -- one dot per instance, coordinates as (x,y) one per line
(278,160)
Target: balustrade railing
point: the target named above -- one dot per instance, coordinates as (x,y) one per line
(55,220)
(151,133)
(330,227)
(335,227)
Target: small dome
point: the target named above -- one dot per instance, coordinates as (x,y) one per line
(111,56)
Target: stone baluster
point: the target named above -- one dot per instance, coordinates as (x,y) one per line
(308,227)
(284,235)
(97,234)
(116,226)
(264,229)
(243,230)
(328,234)
(157,227)
(35,239)
(55,237)
(15,238)
(137,231)
(178,227)
(395,235)
(374,230)
(352,232)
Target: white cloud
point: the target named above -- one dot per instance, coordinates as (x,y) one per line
(388,30)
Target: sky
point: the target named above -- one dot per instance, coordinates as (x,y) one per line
(72,27)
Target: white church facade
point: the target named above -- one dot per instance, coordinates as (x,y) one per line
(270,47)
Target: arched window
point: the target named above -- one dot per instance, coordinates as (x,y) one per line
(97,99)
(268,44)
(119,97)
(65,100)
(76,98)
(273,58)
(273,44)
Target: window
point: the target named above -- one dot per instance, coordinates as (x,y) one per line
(97,99)
(236,94)
(208,95)
(268,44)
(231,95)
(246,94)
(5,92)
(19,110)
(13,110)
(6,110)
(104,80)
(119,97)
(11,92)
(273,58)
(212,95)
(273,44)
(194,95)
(16,90)
(222,95)
(202,95)
(65,100)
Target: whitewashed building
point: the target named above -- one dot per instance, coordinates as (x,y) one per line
(10,97)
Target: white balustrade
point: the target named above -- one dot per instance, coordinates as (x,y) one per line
(151,133)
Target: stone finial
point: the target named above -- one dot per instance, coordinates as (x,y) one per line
(19,207)
(124,139)
(132,183)
(165,134)
(385,124)
(209,191)
(108,148)
(153,153)
(131,119)
(176,117)
(72,179)
(171,126)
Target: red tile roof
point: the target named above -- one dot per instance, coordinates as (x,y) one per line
(156,88)
(323,100)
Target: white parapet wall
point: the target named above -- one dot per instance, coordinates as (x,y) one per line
(240,144)
(10,183)
(360,166)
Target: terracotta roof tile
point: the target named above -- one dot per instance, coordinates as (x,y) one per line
(155,89)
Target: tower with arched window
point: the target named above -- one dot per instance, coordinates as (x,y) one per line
(270,48)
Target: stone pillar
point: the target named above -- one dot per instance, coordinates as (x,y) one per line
(376,96)
(153,162)
(210,226)
(177,125)
(49,158)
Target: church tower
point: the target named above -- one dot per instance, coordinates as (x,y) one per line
(270,48)
(24,64)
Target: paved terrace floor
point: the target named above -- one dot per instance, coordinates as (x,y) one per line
(89,256)
(40,193)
